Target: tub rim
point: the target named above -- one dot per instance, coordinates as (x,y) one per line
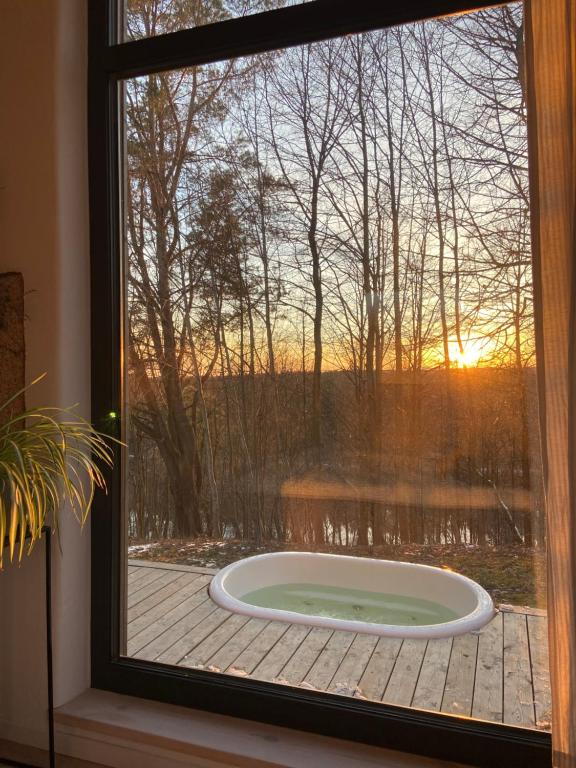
(471,622)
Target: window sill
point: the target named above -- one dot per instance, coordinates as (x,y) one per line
(117,730)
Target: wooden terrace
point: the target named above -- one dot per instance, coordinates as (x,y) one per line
(499,674)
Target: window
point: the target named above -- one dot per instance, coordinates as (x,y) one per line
(139,19)
(314,332)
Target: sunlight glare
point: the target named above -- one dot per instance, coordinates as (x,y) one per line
(471,354)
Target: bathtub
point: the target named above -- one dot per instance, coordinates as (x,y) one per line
(468,605)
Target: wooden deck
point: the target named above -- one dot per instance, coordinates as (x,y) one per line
(499,674)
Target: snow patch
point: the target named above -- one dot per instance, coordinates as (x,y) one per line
(138,549)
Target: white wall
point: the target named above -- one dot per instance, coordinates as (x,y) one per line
(44,234)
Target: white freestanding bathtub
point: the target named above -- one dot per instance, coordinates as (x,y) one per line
(465,605)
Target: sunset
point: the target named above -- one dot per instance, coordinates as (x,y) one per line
(319,241)
(472,352)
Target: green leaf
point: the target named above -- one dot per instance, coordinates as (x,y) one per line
(48,457)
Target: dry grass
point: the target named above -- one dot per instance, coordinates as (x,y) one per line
(511,574)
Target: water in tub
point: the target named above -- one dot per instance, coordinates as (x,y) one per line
(350,604)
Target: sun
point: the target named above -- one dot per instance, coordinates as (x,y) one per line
(470,355)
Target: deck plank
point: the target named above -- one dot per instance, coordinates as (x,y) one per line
(375,677)
(346,679)
(153,564)
(270,666)
(538,640)
(136,574)
(160,596)
(459,690)
(296,669)
(213,642)
(163,633)
(518,691)
(326,664)
(234,646)
(432,678)
(148,578)
(182,648)
(251,656)
(402,682)
(488,700)
(136,597)
(169,610)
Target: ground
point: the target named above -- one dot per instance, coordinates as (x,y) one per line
(512,575)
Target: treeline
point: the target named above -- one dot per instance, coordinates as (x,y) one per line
(318,240)
(429,488)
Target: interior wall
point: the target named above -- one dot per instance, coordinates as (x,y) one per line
(44,235)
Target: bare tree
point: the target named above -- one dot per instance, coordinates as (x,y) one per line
(301,98)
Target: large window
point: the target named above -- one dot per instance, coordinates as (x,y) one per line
(318,337)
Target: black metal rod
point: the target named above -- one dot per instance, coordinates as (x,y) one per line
(47,530)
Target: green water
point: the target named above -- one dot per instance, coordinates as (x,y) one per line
(355,604)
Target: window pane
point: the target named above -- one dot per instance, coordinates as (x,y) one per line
(330,349)
(142,18)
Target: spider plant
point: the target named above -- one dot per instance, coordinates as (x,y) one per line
(49,457)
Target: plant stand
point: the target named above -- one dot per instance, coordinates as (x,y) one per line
(47,531)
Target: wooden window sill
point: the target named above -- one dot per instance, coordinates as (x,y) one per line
(117,730)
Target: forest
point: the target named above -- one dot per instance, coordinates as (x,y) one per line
(328,289)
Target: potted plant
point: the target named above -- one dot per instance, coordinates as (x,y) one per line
(49,458)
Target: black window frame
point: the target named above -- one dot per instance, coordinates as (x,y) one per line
(442,736)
